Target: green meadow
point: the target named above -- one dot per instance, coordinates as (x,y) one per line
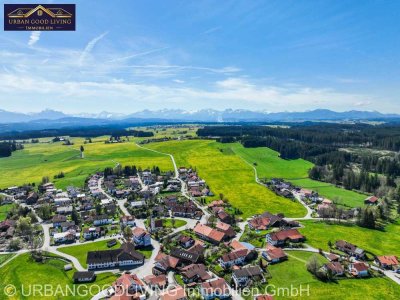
(270,165)
(49,159)
(227,173)
(24,272)
(4,210)
(386,242)
(80,251)
(294,273)
(5,257)
(167,223)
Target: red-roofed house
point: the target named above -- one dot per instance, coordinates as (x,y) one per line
(273,254)
(226,229)
(208,233)
(358,269)
(128,283)
(217,288)
(390,262)
(279,238)
(335,267)
(141,237)
(178,293)
(372,200)
(236,257)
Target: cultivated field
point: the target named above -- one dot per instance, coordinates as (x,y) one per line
(49,159)
(377,242)
(227,173)
(270,165)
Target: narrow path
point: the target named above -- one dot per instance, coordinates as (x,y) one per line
(184,192)
(299,259)
(309,210)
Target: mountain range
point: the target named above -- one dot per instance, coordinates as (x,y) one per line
(205,115)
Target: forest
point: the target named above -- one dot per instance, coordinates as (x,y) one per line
(90,131)
(6,148)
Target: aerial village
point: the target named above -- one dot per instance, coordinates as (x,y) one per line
(167,240)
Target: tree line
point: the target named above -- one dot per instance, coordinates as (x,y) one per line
(7,148)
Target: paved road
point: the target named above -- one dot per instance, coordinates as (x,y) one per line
(184,191)
(242,226)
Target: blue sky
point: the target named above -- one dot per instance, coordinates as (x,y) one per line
(126,56)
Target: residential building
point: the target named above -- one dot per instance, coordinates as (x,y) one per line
(280,238)
(274,254)
(127,221)
(185,257)
(178,293)
(372,200)
(350,249)
(335,268)
(58,219)
(265,221)
(208,233)
(195,273)
(128,283)
(186,241)
(243,276)
(389,262)
(156,281)
(217,288)
(164,263)
(226,229)
(115,258)
(236,257)
(102,220)
(358,269)
(65,237)
(91,233)
(141,237)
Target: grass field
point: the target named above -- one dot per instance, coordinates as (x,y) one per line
(340,196)
(168,223)
(23,271)
(228,174)
(378,242)
(48,159)
(5,257)
(80,251)
(4,210)
(270,165)
(294,272)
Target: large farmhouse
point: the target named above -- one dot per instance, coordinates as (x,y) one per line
(115,258)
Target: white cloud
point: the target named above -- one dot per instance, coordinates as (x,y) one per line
(138,54)
(178,81)
(34,38)
(362,103)
(229,93)
(89,47)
